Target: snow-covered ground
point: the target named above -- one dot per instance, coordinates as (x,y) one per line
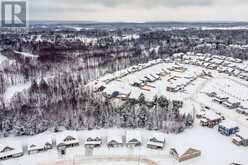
(114,163)
(216,148)
(11,91)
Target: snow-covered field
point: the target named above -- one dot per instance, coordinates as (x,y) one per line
(216,149)
(11,91)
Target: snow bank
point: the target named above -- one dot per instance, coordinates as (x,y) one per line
(26,54)
(2,58)
(11,91)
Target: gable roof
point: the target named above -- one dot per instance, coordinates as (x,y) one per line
(158,136)
(6,148)
(133,135)
(228,124)
(15,147)
(190,151)
(38,142)
(62,136)
(114,137)
(210,115)
(94,135)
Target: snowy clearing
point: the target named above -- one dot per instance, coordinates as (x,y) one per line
(2,58)
(11,91)
(25,54)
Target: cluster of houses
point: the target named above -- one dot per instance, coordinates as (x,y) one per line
(133,139)
(179,69)
(228,103)
(230,128)
(142,83)
(68,140)
(225,127)
(122,73)
(179,83)
(228,65)
(149,78)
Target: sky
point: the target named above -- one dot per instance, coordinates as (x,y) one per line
(138,10)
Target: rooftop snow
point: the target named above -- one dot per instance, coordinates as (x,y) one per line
(130,135)
(228,124)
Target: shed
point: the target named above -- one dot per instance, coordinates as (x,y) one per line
(210,119)
(133,138)
(38,145)
(228,128)
(114,140)
(156,141)
(67,139)
(93,140)
(241,138)
(11,150)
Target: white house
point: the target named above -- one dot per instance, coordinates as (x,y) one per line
(67,139)
(156,141)
(10,150)
(114,140)
(39,144)
(210,119)
(133,138)
(241,138)
(228,127)
(93,140)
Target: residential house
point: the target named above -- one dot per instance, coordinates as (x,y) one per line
(231,105)
(93,141)
(156,141)
(133,138)
(228,128)
(241,138)
(10,150)
(39,144)
(67,139)
(210,119)
(220,100)
(114,140)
